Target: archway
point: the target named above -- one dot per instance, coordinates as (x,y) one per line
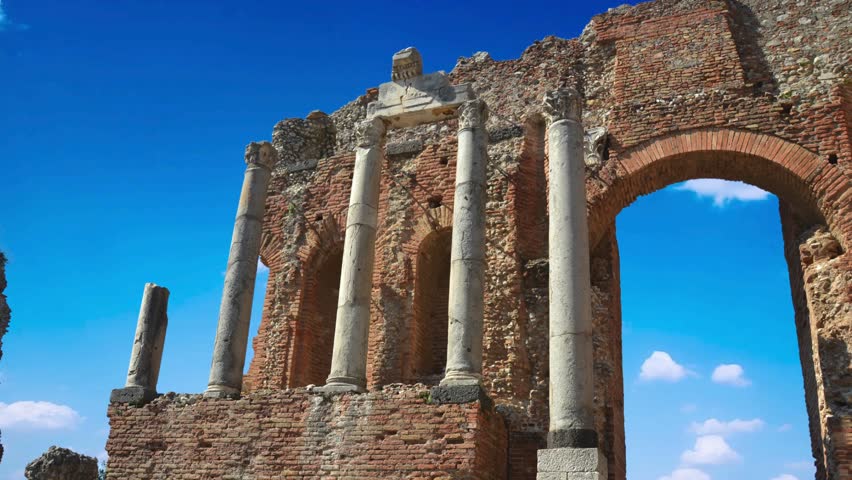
(428,330)
(811,191)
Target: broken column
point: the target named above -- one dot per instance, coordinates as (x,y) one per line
(572,440)
(229,351)
(467,260)
(144,370)
(349,356)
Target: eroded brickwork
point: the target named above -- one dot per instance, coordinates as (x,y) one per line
(294,434)
(755,90)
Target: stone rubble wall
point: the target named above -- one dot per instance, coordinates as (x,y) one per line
(5,314)
(394,433)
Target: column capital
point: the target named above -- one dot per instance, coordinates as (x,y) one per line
(472,114)
(261,153)
(370,133)
(563,104)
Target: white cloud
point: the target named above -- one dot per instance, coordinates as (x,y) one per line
(785,428)
(723,191)
(103,456)
(800,465)
(261,268)
(710,450)
(785,476)
(661,366)
(16,475)
(688,408)
(37,415)
(686,474)
(731,374)
(715,427)
(6,24)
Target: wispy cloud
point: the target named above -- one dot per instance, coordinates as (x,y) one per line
(686,474)
(800,465)
(37,415)
(661,366)
(7,24)
(688,408)
(713,426)
(731,374)
(785,476)
(785,427)
(261,268)
(723,191)
(710,450)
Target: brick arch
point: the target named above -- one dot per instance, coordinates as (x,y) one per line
(313,339)
(813,192)
(817,191)
(428,251)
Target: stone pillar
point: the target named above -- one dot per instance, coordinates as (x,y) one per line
(572,438)
(467,260)
(144,370)
(229,351)
(349,356)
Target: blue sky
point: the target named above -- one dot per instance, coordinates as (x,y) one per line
(122,129)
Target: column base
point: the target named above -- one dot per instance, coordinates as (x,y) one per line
(343,385)
(460,393)
(571,464)
(221,391)
(133,395)
(572,438)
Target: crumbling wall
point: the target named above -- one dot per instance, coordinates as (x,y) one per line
(5,314)
(295,434)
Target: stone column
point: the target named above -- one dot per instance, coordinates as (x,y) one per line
(144,370)
(467,260)
(572,438)
(229,351)
(349,356)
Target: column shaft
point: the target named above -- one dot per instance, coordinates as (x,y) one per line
(147,353)
(467,267)
(229,351)
(571,354)
(349,356)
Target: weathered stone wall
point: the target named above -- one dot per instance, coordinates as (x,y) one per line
(5,314)
(296,434)
(755,90)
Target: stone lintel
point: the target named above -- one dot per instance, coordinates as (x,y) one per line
(421,99)
(133,395)
(573,462)
(461,393)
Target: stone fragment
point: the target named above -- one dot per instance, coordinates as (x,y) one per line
(62,464)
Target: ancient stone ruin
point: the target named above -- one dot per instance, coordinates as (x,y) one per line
(444,299)
(5,315)
(62,464)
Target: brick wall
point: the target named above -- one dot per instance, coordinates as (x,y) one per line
(293,434)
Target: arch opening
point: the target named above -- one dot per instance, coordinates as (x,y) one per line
(314,339)
(428,330)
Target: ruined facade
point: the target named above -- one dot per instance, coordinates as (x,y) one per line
(5,314)
(757,90)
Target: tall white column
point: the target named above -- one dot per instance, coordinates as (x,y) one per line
(571,355)
(349,357)
(467,267)
(229,351)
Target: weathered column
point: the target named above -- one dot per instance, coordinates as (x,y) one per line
(467,258)
(229,351)
(349,356)
(144,370)
(572,438)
